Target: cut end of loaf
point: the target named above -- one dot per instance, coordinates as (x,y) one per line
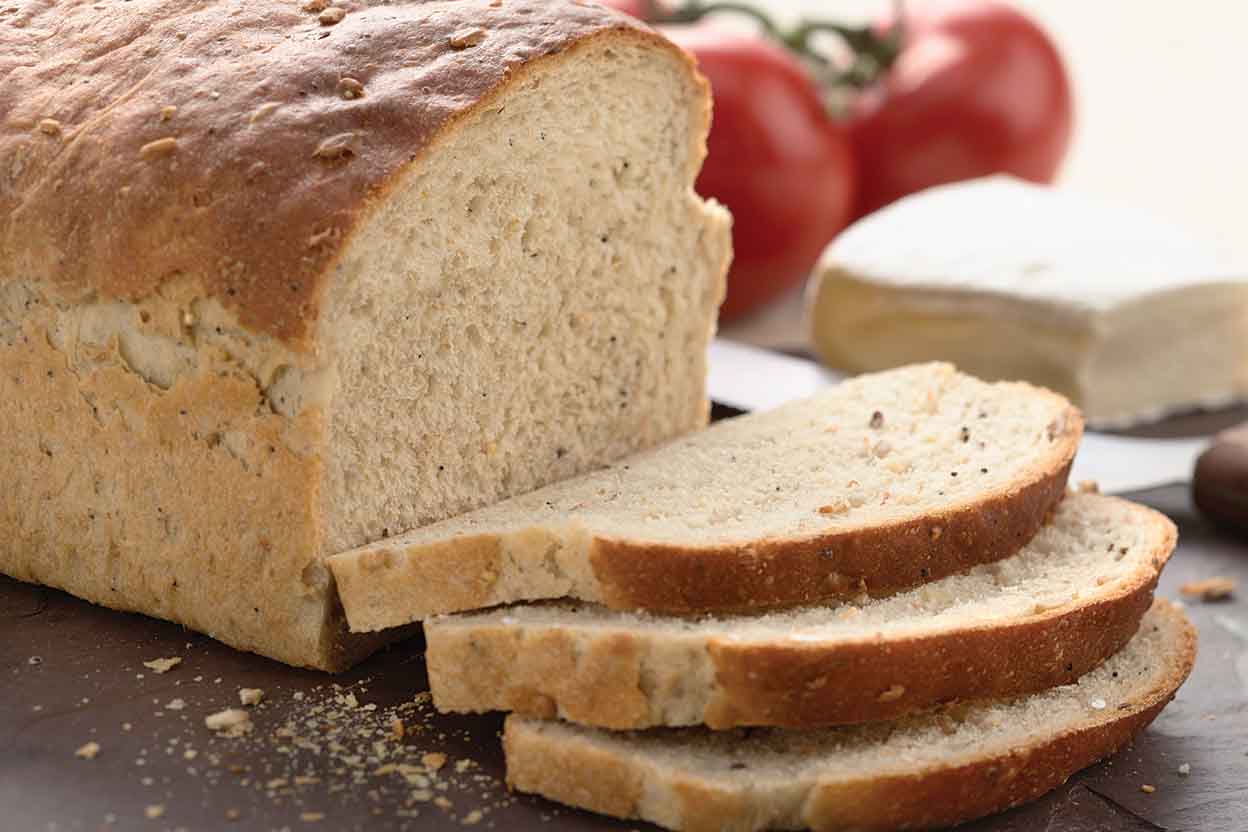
(532,300)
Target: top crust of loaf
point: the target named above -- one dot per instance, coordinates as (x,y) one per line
(239,142)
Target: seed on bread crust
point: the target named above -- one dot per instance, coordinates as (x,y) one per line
(159,148)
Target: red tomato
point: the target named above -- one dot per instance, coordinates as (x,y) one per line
(977,89)
(780,165)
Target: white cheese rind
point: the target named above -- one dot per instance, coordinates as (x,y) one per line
(1000,235)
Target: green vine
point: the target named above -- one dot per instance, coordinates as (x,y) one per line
(873,52)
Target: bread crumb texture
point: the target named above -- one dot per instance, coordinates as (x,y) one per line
(250,696)
(1216,588)
(163,665)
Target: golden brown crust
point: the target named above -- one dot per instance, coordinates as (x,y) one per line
(957,794)
(800,685)
(119,466)
(461,573)
(219,150)
(615,789)
(794,686)
(931,797)
(878,559)
(954,795)
(605,679)
(599,683)
(218,139)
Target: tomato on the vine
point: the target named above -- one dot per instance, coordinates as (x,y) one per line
(957,91)
(775,160)
(978,88)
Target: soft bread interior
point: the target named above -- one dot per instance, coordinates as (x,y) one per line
(532,300)
(941,439)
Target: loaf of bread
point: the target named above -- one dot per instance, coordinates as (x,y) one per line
(278,279)
(1127,316)
(1042,618)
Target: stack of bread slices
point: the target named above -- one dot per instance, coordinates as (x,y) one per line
(876,608)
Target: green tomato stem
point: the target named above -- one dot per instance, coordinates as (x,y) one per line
(873,52)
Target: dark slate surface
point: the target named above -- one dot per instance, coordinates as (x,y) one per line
(69,674)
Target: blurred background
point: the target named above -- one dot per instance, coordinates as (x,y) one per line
(1160,116)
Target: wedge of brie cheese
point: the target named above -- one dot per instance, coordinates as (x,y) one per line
(1129,317)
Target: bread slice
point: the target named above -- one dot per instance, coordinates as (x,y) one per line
(881,482)
(938,769)
(276,283)
(1072,597)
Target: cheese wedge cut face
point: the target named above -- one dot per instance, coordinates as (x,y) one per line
(1129,317)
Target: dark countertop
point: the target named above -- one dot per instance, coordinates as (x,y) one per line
(71,674)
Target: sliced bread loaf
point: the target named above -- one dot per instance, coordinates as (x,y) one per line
(938,769)
(882,482)
(276,282)
(1042,618)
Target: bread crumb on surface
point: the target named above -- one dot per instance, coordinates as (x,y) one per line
(88,751)
(1148,788)
(434,760)
(231,722)
(250,696)
(175,704)
(473,817)
(311,817)
(154,811)
(1185,769)
(1216,588)
(163,665)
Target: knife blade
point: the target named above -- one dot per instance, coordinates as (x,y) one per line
(750,378)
